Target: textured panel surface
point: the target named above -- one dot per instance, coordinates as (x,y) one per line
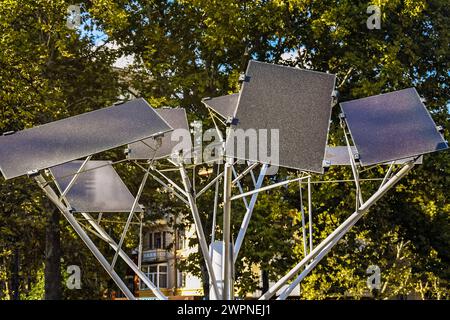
(391,126)
(72,138)
(148,148)
(225,106)
(98,189)
(294,101)
(338,156)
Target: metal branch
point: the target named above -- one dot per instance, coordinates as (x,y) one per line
(82,234)
(339,232)
(275,185)
(130,216)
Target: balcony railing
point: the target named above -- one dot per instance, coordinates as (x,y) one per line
(155,255)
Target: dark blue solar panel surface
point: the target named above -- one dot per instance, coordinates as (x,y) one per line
(225,106)
(182,142)
(338,156)
(97,189)
(391,126)
(295,102)
(72,138)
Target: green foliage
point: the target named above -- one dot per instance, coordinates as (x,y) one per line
(186,50)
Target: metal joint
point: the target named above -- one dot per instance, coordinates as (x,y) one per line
(334,97)
(232,121)
(326,164)
(32,173)
(244,78)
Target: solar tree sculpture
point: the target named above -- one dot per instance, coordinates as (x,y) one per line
(293,104)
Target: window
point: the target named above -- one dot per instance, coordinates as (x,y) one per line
(157,274)
(157,240)
(162,276)
(181,281)
(150,240)
(182,242)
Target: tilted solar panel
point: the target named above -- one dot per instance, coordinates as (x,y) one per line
(75,137)
(98,187)
(338,156)
(293,105)
(225,106)
(177,141)
(391,126)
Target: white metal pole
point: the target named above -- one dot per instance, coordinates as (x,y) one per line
(75,177)
(212,182)
(124,256)
(179,196)
(248,214)
(359,198)
(337,233)
(130,216)
(227,249)
(387,174)
(141,218)
(275,185)
(307,270)
(198,227)
(244,173)
(216,200)
(79,230)
(241,190)
(310,215)
(302,211)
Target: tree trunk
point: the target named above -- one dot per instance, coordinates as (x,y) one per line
(15,281)
(205,279)
(53,290)
(265,281)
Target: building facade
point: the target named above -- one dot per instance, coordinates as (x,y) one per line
(162,251)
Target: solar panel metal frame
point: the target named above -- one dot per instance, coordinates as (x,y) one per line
(225,106)
(391,126)
(76,137)
(148,148)
(266,94)
(98,187)
(338,156)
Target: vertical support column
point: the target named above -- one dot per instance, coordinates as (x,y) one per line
(310,215)
(216,200)
(141,218)
(216,249)
(227,249)
(198,226)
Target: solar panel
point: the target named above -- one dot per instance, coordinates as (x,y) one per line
(148,148)
(97,189)
(391,126)
(297,103)
(72,138)
(224,106)
(338,156)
